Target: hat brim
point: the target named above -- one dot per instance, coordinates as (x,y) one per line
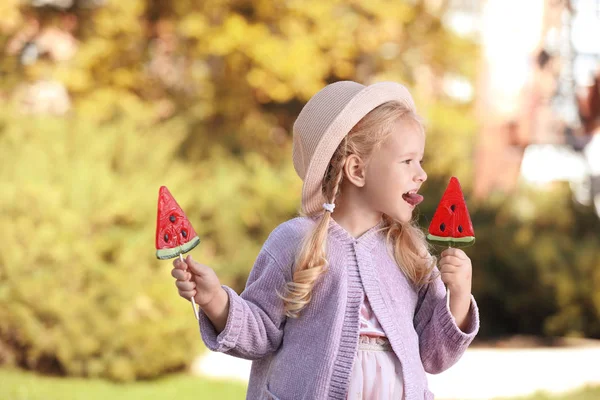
(359,105)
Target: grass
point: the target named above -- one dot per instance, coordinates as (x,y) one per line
(20,385)
(588,393)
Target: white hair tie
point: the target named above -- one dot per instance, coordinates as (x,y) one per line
(329,207)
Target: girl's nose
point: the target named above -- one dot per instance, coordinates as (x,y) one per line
(421,175)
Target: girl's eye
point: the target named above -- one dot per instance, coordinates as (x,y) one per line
(407,162)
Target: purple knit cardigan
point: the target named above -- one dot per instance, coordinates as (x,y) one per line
(311,357)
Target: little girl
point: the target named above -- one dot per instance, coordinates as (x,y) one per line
(345,302)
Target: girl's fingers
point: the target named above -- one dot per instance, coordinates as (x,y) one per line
(196,267)
(187,294)
(449,277)
(185,286)
(445,277)
(444,265)
(178,264)
(180,275)
(455,252)
(452,260)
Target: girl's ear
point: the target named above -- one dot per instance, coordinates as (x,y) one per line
(354,169)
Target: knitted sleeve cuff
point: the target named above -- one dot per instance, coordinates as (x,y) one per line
(449,327)
(227,339)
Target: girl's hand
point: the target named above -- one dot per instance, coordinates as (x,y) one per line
(201,282)
(456,270)
(195,279)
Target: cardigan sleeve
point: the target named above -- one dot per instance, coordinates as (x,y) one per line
(441,342)
(256,318)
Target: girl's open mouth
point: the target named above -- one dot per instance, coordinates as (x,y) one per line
(412,198)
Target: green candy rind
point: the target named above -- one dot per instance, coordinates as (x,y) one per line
(165,254)
(450,241)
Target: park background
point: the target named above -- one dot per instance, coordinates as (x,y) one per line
(104,101)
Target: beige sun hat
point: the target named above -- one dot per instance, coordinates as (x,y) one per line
(324,121)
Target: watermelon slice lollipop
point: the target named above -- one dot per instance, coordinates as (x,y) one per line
(175,235)
(451,224)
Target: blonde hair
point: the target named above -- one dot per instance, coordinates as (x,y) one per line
(410,249)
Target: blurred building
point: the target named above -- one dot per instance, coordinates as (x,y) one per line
(538,93)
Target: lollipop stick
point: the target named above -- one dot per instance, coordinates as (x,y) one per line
(192,299)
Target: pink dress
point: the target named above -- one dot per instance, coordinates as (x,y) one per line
(377,372)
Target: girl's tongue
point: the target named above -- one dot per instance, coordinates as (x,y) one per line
(412,198)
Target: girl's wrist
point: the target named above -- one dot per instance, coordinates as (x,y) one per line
(460,304)
(459,292)
(217,308)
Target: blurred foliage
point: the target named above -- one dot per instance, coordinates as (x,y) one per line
(536,262)
(80,293)
(200,97)
(541,264)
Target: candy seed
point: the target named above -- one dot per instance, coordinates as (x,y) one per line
(442,227)
(184,233)
(460,229)
(166,237)
(172,218)
(452,207)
